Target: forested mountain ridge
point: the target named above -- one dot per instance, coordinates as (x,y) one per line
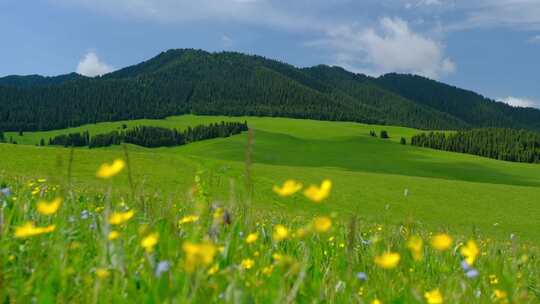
(193,81)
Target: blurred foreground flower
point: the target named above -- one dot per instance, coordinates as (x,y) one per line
(188,219)
(247,263)
(289,188)
(388,260)
(433,297)
(49,208)
(198,255)
(113,235)
(118,218)
(149,242)
(322,224)
(252,237)
(318,194)
(470,252)
(102,273)
(29,229)
(415,245)
(441,242)
(280,233)
(107,171)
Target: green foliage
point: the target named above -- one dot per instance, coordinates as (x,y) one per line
(469,107)
(503,144)
(384,134)
(403,141)
(150,137)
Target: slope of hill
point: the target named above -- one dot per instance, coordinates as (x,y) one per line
(445,189)
(193,81)
(467,106)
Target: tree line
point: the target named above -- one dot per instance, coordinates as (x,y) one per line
(498,143)
(150,137)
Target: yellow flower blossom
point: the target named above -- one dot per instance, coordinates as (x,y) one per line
(280,233)
(198,255)
(387,260)
(376,301)
(49,208)
(499,294)
(322,224)
(318,194)
(470,252)
(149,242)
(118,218)
(441,242)
(289,188)
(247,263)
(493,280)
(107,171)
(188,219)
(433,297)
(415,245)
(113,235)
(252,237)
(213,270)
(267,271)
(29,229)
(102,273)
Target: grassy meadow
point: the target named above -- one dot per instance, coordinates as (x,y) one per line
(205,223)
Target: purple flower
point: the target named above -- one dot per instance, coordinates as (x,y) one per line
(362,276)
(472,273)
(162,267)
(465,266)
(5,192)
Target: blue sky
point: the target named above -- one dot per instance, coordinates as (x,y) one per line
(489,46)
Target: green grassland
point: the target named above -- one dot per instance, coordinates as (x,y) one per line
(462,193)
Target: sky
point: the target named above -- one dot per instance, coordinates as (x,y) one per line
(488,46)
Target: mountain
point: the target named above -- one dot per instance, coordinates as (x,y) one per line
(37,80)
(194,81)
(468,106)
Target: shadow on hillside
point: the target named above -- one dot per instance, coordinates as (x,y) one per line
(371,155)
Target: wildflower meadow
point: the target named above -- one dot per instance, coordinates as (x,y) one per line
(63,245)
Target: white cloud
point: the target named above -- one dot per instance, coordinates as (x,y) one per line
(392,47)
(227,41)
(520,102)
(91,66)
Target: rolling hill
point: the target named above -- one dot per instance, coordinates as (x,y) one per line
(198,82)
(445,190)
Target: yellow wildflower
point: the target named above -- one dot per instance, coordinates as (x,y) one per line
(29,229)
(289,188)
(113,235)
(107,171)
(117,218)
(247,263)
(376,301)
(280,233)
(268,270)
(149,242)
(49,208)
(213,270)
(102,273)
(188,219)
(252,237)
(322,224)
(415,245)
(198,255)
(388,260)
(470,252)
(318,194)
(499,294)
(433,297)
(493,280)
(441,242)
